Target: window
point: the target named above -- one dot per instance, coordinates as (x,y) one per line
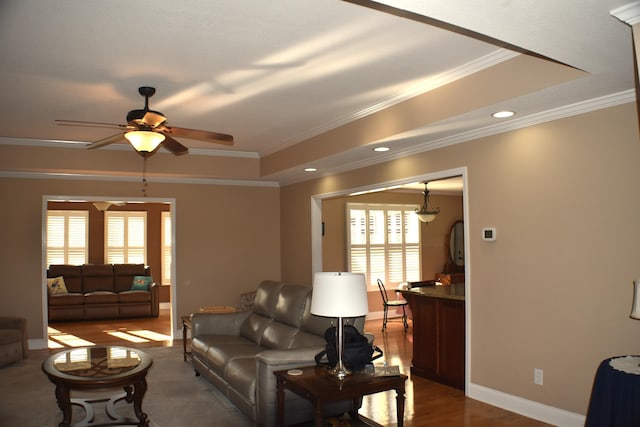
(67,233)
(166,248)
(126,237)
(384,242)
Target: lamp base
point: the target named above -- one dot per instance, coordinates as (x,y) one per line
(340,371)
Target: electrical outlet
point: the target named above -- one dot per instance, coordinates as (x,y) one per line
(537,376)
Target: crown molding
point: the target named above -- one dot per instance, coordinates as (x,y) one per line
(58,143)
(629,13)
(131,178)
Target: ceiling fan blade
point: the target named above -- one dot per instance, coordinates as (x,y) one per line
(153,119)
(106,141)
(201,135)
(174,146)
(90,124)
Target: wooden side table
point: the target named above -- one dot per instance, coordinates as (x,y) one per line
(319,387)
(186,326)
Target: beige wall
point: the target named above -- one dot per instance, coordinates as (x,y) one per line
(227,240)
(554,291)
(434,235)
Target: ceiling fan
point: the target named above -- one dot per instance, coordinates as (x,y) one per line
(146,130)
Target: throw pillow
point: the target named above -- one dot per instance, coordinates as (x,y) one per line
(141,283)
(56,286)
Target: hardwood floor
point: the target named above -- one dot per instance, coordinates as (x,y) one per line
(427,403)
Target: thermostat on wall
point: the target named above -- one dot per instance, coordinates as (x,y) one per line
(489,234)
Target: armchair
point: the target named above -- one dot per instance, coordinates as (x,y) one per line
(13,340)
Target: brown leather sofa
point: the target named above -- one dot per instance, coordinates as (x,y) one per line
(101,291)
(239,352)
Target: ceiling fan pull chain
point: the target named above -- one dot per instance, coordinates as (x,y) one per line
(144,175)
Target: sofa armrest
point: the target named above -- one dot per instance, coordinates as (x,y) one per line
(269,361)
(218,323)
(284,359)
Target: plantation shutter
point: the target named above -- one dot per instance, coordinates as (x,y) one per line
(384,242)
(166,248)
(126,237)
(67,233)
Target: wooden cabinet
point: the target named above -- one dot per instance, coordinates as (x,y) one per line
(438,338)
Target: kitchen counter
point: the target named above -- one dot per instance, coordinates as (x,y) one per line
(454,291)
(438,314)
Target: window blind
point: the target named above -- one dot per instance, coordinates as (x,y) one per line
(384,242)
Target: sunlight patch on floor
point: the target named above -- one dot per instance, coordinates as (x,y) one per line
(123,335)
(68,340)
(153,336)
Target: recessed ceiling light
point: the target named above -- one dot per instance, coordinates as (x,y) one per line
(381,149)
(503,114)
(310,169)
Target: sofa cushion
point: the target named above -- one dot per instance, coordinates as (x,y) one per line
(134,296)
(101,297)
(278,335)
(141,283)
(72,276)
(66,299)
(266,297)
(253,327)
(305,339)
(218,352)
(291,303)
(56,285)
(241,376)
(97,277)
(124,274)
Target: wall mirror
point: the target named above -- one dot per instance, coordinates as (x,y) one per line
(456,244)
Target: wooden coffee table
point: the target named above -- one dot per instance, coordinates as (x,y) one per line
(318,386)
(99,368)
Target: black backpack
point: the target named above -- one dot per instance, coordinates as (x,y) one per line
(357,351)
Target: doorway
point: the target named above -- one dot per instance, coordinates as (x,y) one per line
(97,248)
(317,235)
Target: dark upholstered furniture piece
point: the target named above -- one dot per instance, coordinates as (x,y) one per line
(239,352)
(13,340)
(102,291)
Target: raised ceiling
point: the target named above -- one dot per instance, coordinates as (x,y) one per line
(285,77)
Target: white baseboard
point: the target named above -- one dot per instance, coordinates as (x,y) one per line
(165,306)
(528,408)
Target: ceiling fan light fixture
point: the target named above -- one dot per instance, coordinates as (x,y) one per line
(144,141)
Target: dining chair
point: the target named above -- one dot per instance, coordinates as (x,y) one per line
(393,304)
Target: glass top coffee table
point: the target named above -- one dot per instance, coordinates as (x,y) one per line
(100,368)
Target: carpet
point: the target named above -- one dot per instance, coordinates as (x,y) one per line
(175,397)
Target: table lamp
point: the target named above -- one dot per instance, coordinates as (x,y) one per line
(339,295)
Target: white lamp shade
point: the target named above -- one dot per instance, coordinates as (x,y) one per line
(635,308)
(339,295)
(144,141)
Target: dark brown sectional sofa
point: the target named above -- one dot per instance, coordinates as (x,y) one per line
(101,291)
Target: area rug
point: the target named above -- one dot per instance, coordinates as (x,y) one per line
(175,397)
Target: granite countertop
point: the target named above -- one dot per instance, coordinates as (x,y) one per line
(455,291)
